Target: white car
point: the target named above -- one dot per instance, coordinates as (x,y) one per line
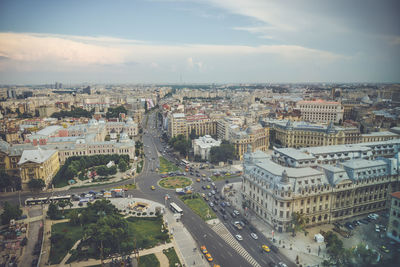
(239,237)
(253,235)
(281,264)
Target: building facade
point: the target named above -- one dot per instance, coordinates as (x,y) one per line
(321,111)
(322,193)
(256,136)
(393,229)
(297,134)
(202,146)
(38,164)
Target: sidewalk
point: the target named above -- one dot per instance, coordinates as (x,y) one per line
(302,246)
(184,242)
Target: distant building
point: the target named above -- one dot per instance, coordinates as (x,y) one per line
(393,228)
(321,111)
(203,145)
(11,93)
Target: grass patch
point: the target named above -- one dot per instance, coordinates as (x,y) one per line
(65,236)
(149,261)
(172,257)
(223,177)
(94,185)
(199,206)
(148,231)
(175,182)
(167,166)
(139,166)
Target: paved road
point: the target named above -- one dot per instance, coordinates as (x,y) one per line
(223,253)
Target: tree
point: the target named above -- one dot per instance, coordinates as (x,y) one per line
(73,217)
(298,223)
(10,212)
(193,134)
(122,165)
(8,182)
(224,152)
(63,203)
(114,112)
(53,211)
(36,184)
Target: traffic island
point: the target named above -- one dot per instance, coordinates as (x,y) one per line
(174,182)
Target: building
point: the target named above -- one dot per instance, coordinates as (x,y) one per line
(256,136)
(38,164)
(322,193)
(321,111)
(287,133)
(393,228)
(379,136)
(177,125)
(203,145)
(10,156)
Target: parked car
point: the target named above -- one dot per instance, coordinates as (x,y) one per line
(349,226)
(239,237)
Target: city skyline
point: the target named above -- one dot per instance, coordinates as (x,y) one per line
(167,41)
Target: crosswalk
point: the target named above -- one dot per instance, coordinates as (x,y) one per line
(223,232)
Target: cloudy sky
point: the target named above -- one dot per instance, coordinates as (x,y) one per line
(156,41)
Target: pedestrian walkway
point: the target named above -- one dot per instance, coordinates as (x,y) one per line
(224,233)
(186,247)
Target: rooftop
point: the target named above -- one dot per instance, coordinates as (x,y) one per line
(49,130)
(36,156)
(294,153)
(363,163)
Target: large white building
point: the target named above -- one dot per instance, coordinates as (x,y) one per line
(203,145)
(274,187)
(321,111)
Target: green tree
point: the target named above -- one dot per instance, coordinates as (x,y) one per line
(224,152)
(63,203)
(10,212)
(114,112)
(8,182)
(74,217)
(36,184)
(298,223)
(122,165)
(53,211)
(110,234)
(193,134)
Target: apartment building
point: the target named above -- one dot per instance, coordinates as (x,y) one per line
(393,228)
(323,193)
(287,133)
(38,164)
(321,111)
(180,124)
(177,125)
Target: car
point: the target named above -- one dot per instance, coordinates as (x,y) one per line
(208,186)
(203,175)
(206,199)
(209,179)
(203,249)
(253,235)
(223,204)
(216,197)
(228,204)
(356,223)
(213,184)
(265,248)
(209,194)
(222,197)
(364,221)
(153,187)
(213,192)
(214,209)
(203,179)
(197,175)
(209,257)
(281,264)
(223,211)
(384,249)
(349,226)
(198,180)
(204,187)
(211,204)
(203,195)
(239,237)
(236,212)
(233,215)
(225,217)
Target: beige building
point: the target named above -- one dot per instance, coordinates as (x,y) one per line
(393,229)
(321,111)
(379,136)
(287,133)
(38,164)
(256,136)
(322,193)
(180,124)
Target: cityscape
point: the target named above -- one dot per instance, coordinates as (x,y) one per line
(166,133)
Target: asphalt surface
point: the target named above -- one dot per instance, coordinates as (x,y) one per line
(222,252)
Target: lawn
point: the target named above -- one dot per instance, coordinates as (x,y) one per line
(149,261)
(175,182)
(167,166)
(148,231)
(199,206)
(66,235)
(172,257)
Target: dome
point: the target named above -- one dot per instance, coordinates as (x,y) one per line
(366,100)
(253,129)
(123,137)
(129,120)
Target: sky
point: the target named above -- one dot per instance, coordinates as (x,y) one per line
(199,41)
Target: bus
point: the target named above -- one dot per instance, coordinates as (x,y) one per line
(175,208)
(185,163)
(45,200)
